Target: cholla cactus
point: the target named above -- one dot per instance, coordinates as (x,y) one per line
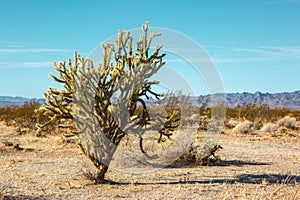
(102,100)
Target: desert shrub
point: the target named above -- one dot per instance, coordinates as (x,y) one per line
(205,153)
(258,124)
(282,129)
(194,117)
(204,123)
(297,125)
(211,118)
(255,110)
(231,123)
(22,117)
(243,127)
(288,122)
(201,154)
(269,128)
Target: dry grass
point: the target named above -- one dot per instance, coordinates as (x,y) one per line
(243,127)
(269,128)
(252,167)
(288,122)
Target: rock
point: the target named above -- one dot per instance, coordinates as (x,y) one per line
(8,144)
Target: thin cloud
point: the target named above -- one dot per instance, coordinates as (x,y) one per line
(244,55)
(189,60)
(275,52)
(11,44)
(216,60)
(237,60)
(34,50)
(25,64)
(286,50)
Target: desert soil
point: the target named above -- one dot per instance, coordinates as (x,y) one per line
(253,167)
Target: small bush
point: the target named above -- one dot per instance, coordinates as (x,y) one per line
(282,129)
(244,127)
(205,153)
(288,122)
(269,128)
(23,117)
(195,117)
(297,125)
(231,123)
(204,123)
(201,154)
(254,110)
(258,124)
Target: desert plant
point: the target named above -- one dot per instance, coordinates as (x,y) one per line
(269,128)
(22,117)
(288,122)
(282,129)
(204,112)
(243,127)
(200,154)
(103,100)
(205,154)
(297,125)
(231,123)
(254,110)
(258,124)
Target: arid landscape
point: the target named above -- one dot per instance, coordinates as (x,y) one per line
(253,166)
(150,100)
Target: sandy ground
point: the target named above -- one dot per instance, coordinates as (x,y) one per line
(253,167)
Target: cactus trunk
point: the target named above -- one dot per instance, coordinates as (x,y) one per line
(100,176)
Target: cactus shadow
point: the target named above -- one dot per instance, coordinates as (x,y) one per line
(243,178)
(239,163)
(22,197)
(269,178)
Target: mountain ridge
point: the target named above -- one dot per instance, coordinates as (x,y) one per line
(290,100)
(6,101)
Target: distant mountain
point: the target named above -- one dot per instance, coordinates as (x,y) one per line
(289,100)
(6,101)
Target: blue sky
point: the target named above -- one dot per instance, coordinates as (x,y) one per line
(255,44)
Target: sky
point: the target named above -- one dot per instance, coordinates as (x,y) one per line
(253,44)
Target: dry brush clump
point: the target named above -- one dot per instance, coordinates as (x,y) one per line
(23,117)
(282,129)
(204,153)
(193,151)
(283,126)
(288,122)
(186,149)
(258,113)
(263,118)
(231,123)
(269,128)
(297,125)
(243,127)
